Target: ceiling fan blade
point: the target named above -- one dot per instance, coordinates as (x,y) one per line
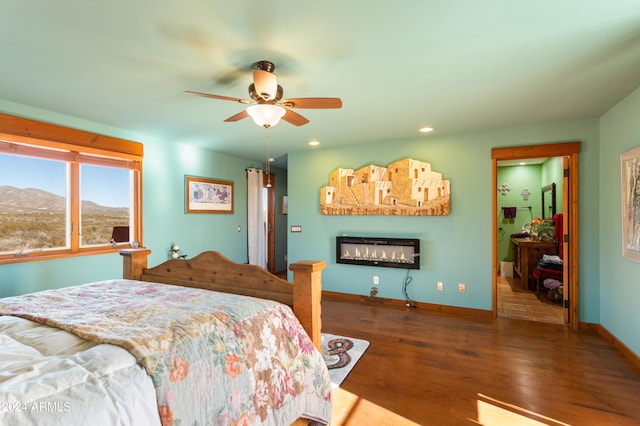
(224,98)
(294,118)
(237,117)
(266,84)
(231,77)
(318,103)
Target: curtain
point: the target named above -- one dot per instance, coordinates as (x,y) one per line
(256,219)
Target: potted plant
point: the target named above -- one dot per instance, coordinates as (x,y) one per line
(541,230)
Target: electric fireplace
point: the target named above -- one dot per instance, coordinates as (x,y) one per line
(371,251)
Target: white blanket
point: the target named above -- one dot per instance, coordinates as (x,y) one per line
(211,357)
(51,377)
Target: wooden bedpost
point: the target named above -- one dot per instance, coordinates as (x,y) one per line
(307,293)
(134,261)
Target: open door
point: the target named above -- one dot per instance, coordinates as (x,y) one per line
(569,151)
(566,240)
(570,231)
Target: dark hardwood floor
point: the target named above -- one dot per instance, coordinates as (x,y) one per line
(432,368)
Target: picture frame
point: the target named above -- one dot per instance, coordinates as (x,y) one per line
(204,195)
(630,195)
(285,205)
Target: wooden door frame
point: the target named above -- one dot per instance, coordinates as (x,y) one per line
(269,182)
(566,149)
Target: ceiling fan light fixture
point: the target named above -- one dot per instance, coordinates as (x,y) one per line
(268,90)
(266,115)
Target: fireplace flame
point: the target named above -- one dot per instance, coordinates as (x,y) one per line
(379,252)
(362,252)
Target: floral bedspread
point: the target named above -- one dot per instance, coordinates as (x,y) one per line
(214,358)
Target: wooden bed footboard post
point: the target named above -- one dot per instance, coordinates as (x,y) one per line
(307,293)
(134,261)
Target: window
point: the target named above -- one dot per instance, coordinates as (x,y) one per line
(63,191)
(105,202)
(33,209)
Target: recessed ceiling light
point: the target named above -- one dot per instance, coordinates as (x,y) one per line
(426,129)
(523,163)
(314,143)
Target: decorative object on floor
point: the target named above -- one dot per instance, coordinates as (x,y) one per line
(630,178)
(341,354)
(554,289)
(406,187)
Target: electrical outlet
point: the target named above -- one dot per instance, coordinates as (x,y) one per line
(440,286)
(376,280)
(462,287)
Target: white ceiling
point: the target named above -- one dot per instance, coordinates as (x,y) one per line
(456,65)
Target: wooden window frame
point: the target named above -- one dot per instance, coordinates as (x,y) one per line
(23,136)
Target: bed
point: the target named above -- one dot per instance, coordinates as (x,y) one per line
(199,341)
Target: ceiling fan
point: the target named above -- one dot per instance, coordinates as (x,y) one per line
(266,106)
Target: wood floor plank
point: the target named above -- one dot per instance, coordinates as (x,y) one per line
(426,368)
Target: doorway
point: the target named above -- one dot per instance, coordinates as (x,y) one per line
(524,198)
(569,151)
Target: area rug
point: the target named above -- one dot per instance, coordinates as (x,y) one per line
(341,354)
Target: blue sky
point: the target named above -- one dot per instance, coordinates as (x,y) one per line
(102,185)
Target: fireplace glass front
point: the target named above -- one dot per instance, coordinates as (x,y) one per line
(386,252)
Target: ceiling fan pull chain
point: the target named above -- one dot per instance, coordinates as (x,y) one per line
(268,157)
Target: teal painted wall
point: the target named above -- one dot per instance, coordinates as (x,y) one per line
(166,162)
(619,277)
(29,277)
(164,218)
(455,248)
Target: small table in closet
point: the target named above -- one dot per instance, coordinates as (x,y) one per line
(526,255)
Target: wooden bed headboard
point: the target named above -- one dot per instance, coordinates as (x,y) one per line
(213,271)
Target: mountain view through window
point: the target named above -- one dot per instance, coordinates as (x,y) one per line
(35,203)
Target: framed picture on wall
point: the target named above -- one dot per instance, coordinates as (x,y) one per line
(285,205)
(630,175)
(204,195)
